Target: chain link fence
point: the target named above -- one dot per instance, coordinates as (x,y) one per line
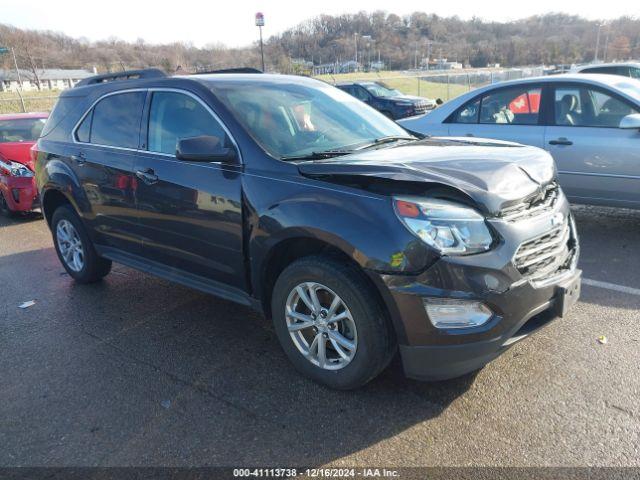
(443,85)
(19,102)
(437,84)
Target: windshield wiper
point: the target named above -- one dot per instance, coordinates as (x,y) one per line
(317,155)
(388,139)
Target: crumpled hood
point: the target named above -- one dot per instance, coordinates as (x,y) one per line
(495,174)
(17,152)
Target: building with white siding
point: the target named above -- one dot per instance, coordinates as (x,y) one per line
(50,79)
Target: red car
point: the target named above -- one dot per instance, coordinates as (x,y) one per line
(18,133)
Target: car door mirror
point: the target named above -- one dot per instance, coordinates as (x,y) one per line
(630,121)
(205,148)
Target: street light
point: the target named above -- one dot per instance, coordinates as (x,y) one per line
(260,24)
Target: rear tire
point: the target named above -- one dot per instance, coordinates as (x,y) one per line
(74,248)
(357,348)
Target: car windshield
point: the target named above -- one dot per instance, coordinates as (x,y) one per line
(631,87)
(21,129)
(378,90)
(294,119)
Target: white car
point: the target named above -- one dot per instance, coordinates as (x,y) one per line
(630,69)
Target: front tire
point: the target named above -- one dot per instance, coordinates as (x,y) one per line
(74,248)
(4,208)
(330,324)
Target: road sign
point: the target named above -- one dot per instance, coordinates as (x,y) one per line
(259,19)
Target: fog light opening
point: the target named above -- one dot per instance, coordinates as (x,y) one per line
(448,313)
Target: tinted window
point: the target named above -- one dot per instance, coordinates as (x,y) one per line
(513,106)
(634,72)
(174,116)
(21,130)
(585,107)
(83,133)
(116,120)
(468,113)
(61,109)
(360,93)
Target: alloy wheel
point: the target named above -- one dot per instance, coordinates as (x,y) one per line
(321,326)
(70,245)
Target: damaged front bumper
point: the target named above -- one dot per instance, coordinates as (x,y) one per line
(519,299)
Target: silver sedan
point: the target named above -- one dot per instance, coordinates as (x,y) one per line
(589,123)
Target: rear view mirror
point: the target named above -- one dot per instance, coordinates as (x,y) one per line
(631,121)
(205,148)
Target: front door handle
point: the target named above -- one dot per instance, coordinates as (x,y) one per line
(561,141)
(80,158)
(469,135)
(147,175)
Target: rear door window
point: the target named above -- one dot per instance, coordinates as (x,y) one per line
(116,120)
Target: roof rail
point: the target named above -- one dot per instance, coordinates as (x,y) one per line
(126,75)
(232,70)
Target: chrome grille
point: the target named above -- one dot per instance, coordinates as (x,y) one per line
(547,254)
(541,203)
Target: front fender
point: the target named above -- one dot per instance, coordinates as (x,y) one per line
(362,225)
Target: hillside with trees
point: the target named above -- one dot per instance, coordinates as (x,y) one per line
(400,41)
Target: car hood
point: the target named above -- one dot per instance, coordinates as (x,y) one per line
(493,173)
(17,152)
(410,98)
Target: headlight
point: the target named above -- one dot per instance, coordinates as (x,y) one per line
(19,170)
(450,228)
(404,104)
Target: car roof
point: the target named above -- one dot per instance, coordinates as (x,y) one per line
(18,116)
(579,68)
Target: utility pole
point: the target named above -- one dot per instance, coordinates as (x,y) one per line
(606,44)
(597,42)
(15,63)
(260,24)
(355,40)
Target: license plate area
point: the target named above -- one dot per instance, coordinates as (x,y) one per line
(567,294)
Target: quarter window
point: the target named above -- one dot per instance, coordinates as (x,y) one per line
(116,120)
(174,116)
(586,107)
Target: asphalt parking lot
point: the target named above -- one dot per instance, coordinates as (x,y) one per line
(138,371)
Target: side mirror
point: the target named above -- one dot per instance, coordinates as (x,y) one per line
(631,121)
(205,148)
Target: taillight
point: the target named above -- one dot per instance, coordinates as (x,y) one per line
(33,154)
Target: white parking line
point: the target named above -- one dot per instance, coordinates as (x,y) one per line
(611,286)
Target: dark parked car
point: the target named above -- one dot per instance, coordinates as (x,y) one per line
(288,195)
(392,103)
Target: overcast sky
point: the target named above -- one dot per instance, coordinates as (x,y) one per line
(232,22)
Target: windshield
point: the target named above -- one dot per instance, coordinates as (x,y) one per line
(296,119)
(21,130)
(631,87)
(378,90)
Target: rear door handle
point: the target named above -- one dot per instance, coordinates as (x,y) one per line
(561,141)
(80,158)
(147,175)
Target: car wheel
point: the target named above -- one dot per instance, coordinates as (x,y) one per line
(4,207)
(74,248)
(330,324)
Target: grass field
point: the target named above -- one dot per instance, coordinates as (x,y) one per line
(433,86)
(33,101)
(410,84)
